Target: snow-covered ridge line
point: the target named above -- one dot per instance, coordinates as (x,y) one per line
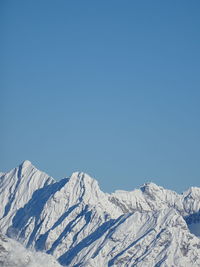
(80,225)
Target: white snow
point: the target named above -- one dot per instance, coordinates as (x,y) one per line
(13,254)
(77,223)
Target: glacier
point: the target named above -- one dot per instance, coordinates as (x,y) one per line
(77,224)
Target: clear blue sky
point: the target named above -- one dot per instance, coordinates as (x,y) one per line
(109,87)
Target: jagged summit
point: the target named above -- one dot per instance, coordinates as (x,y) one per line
(192,192)
(151,186)
(85,180)
(77,223)
(26,163)
(28,170)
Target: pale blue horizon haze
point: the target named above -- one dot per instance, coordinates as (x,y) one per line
(110,88)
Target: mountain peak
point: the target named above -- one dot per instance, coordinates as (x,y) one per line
(26,163)
(147,187)
(80,225)
(192,192)
(82,176)
(85,181)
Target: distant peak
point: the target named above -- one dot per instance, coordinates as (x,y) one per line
(150,186)
(26,163)
(77,174)
(81,176)
(193,192)
(84,180)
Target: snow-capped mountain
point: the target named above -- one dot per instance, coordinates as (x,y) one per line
(79,225)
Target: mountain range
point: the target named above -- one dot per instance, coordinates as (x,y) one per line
(78,225)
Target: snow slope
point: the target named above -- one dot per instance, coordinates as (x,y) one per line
(73,220)
(13,254)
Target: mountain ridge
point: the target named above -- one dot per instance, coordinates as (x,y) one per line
(78,224)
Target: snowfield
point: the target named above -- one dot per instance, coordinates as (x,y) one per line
(13,254)
(74,222)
